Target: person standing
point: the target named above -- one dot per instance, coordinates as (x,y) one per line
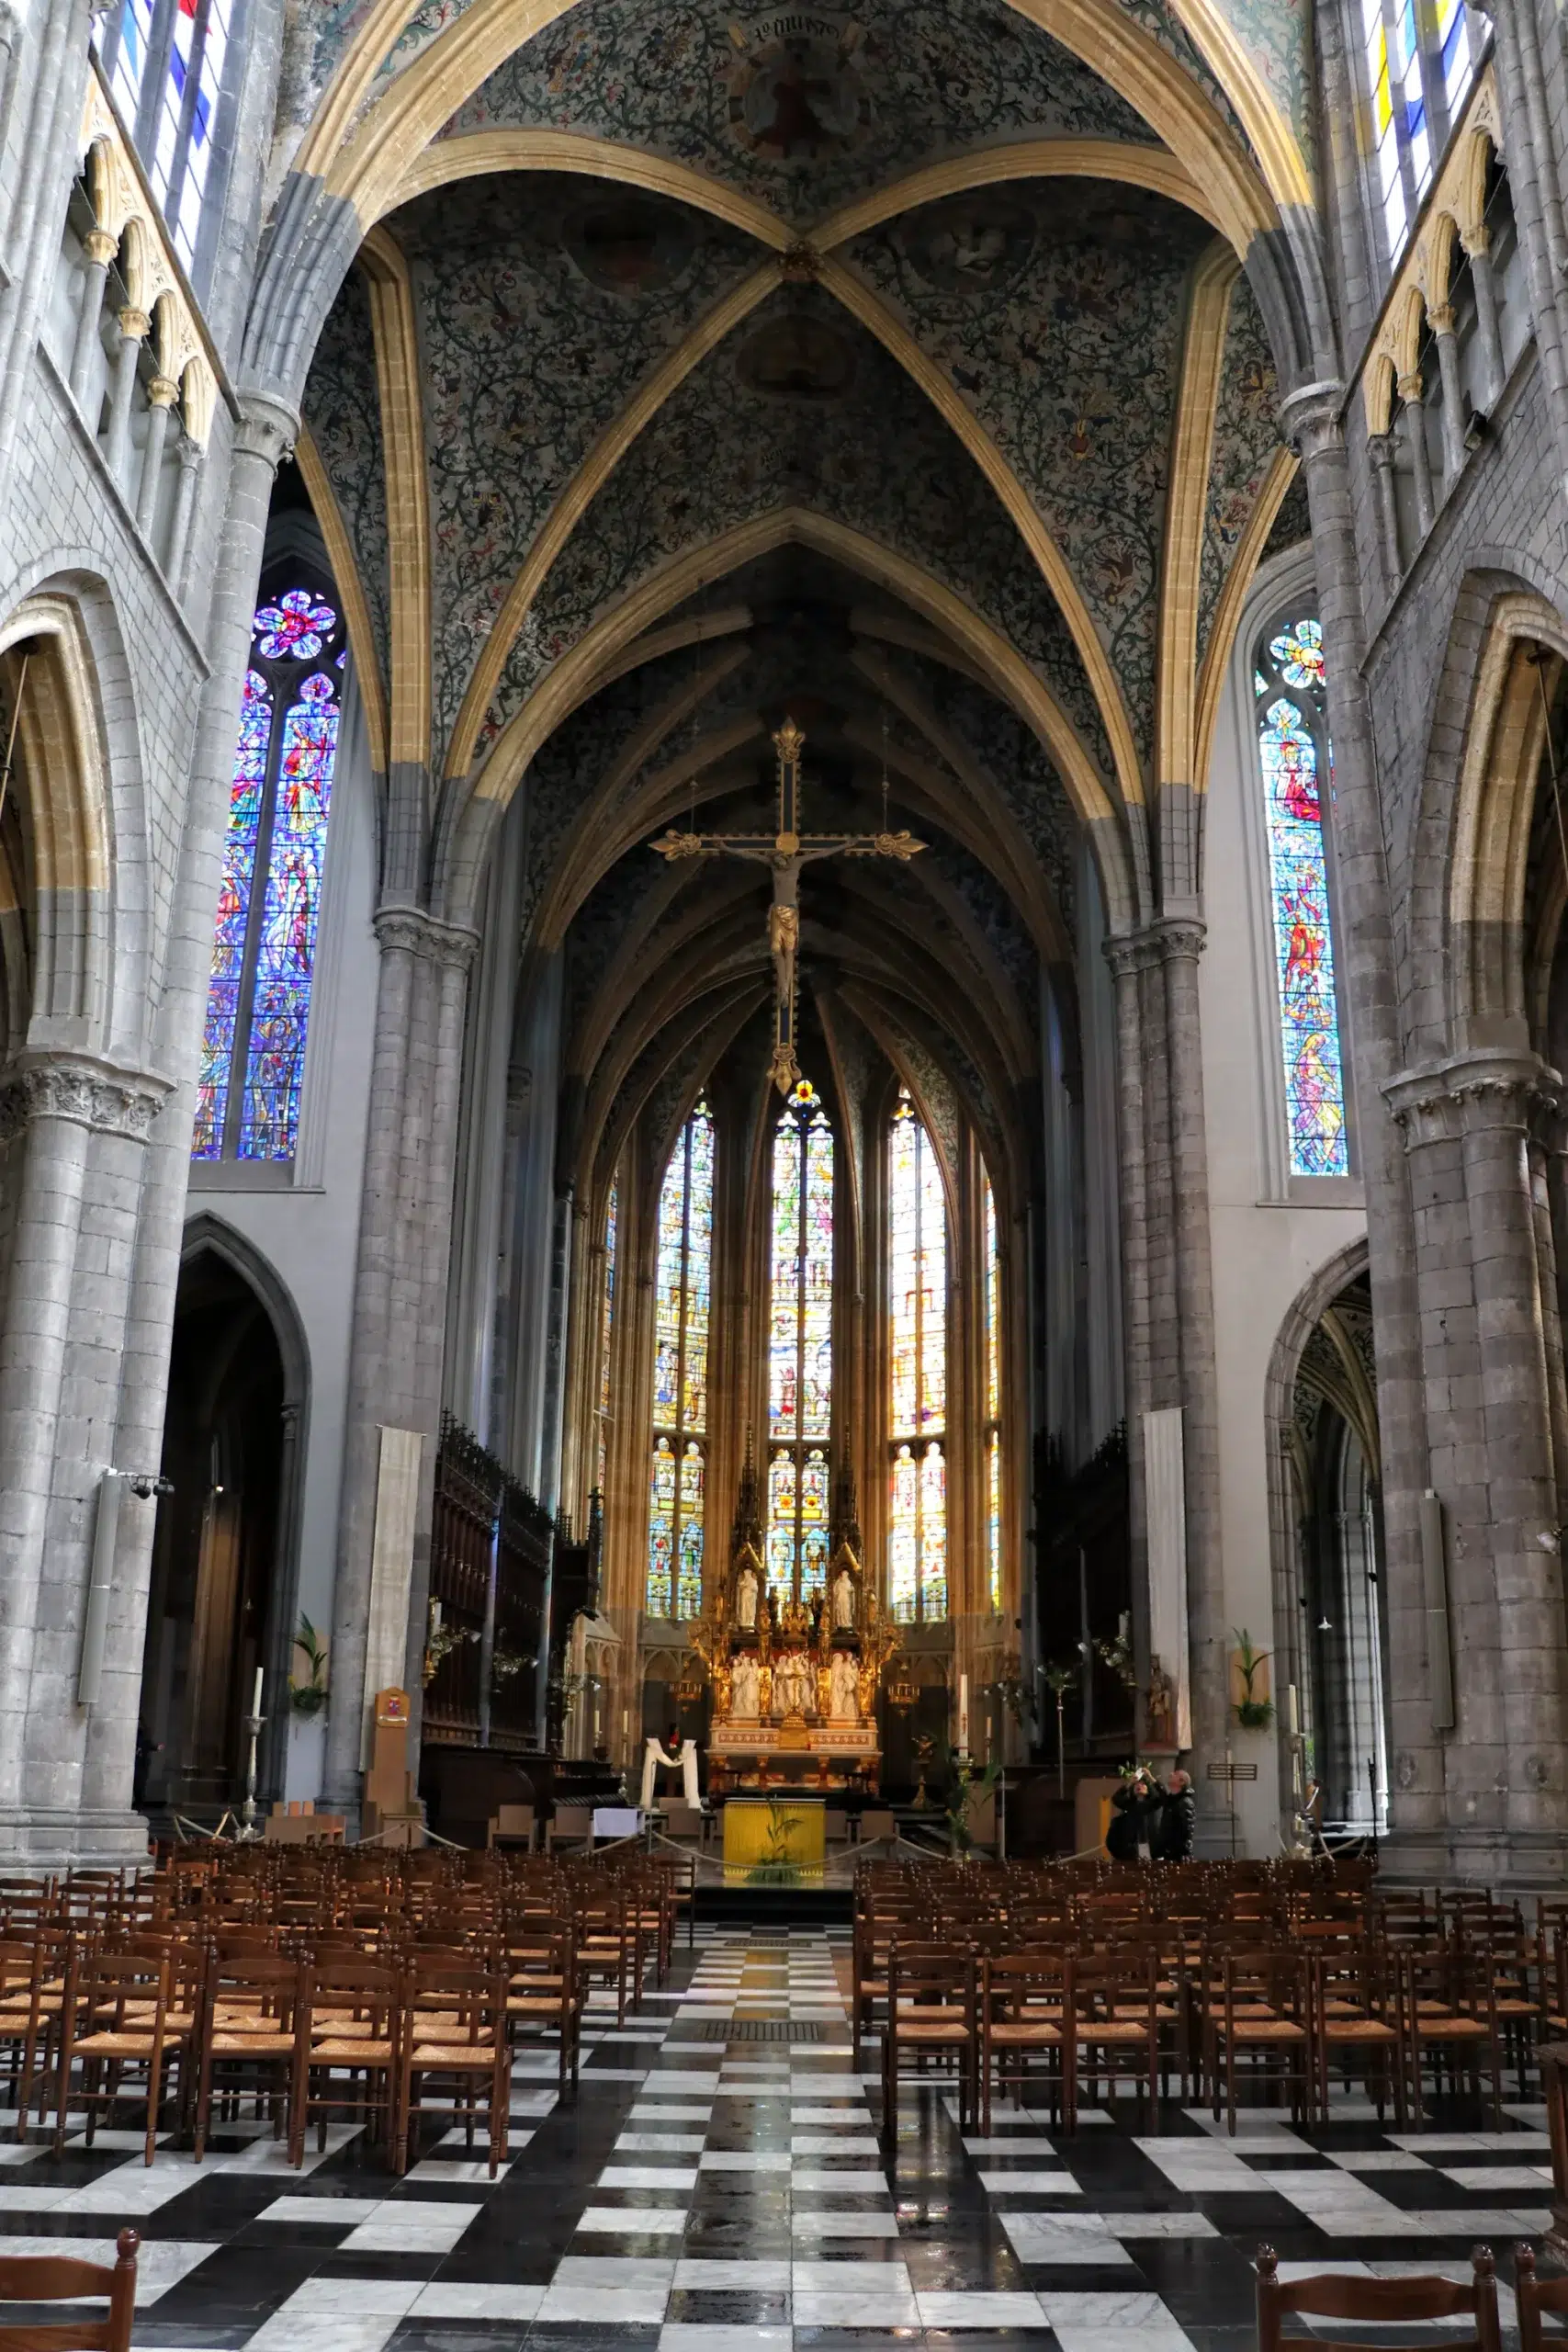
(1179,1819)
(1133,1835)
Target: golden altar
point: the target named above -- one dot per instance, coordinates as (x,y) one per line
(781,1839)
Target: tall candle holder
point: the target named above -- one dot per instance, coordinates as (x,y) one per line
(248,1832)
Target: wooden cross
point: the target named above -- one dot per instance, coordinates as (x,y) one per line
(786,851)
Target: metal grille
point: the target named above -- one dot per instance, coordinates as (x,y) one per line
(750,2030)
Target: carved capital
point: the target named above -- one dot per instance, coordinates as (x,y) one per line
(1490,1087)
(1380,448)
(267,429)
(1178,936)
(134,324)
(1311,419)
(410,931)
(161,393)
(1129,953)
(1410,387)
(100,247)
(1440,317)
(88,1093)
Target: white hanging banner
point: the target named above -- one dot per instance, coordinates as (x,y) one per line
(391,1568)
(1165,1504)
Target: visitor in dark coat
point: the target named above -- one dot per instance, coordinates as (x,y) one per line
(1133,1836)
(1178,1819)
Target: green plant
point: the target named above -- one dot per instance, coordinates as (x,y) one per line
(1118,1657)
(505,1664)
(1252,1713)
(778,1866)
(968,1789)
(309,1698)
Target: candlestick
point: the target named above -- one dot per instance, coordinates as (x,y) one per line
(964,1713)
(1292,1713)
(256,1694)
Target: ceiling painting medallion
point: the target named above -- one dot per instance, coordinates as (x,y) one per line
(795,96)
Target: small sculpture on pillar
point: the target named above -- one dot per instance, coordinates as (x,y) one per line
(1160,1703)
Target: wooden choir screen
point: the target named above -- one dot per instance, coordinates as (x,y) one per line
(490,1567)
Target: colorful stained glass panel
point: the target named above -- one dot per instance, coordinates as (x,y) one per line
(903,1537)
(689,1597)
(286,946)
(240,843)
(1309,1017)
(800,1340)
(662,1530)
(993,1308)
(993,1518)
(780,1538)
(683,1302)
(933,1534)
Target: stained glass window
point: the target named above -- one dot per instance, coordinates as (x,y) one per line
(269,898)
(800,1343)
(917,1335)
(1419,61)
(682,1309)
(1293,741)
(993,1432)
(606,1329)
(165,61)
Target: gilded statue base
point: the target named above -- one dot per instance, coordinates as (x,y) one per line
(747,1753)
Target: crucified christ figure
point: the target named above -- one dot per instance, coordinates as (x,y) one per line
(785,851)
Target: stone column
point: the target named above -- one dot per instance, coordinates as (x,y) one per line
(1478,246)
(262,437)
(1179,943)
(100,249)
(135,326)
(1126,955)
(1469,1125)
(52,1406)
(1379,450)
(162,395)
(184,514)
(1311,420)
(405,1236)
(1413,417)
(1442,324)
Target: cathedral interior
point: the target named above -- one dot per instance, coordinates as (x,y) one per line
(783,866)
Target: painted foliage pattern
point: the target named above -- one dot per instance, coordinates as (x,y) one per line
(1017,764)
(722,452)
(1294,749)
(1246,435)
(1070,364)
(527,359)
(342,411)
(910,82)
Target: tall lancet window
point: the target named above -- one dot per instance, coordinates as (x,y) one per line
(917,1337)
(800,1345)
(993,1402)
(606,1331)
(1294,740)
(684,1278)
(269,899)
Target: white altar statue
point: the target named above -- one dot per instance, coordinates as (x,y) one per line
(792,1683)
(656,1757)
(844,1685)
(744,1685)
(844,1601)
(746,1603)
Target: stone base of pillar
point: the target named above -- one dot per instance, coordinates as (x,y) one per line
(1517,1862)
(49,1838)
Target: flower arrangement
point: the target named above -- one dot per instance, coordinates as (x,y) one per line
(1252,1713)
(309,1698)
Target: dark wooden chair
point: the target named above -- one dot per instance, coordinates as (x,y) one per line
(44,2278)
(1536,2296)
(1377,2303)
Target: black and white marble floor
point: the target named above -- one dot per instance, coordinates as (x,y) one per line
(713,2192)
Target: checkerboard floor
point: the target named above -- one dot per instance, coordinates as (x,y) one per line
(715,2194)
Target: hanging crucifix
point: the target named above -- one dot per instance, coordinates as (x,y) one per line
(786,851)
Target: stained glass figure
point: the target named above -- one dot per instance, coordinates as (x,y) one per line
(662,1530)
(681,1306)
(917,1343)
(1293,744)
(607,1328)
(994,1518)
(264,948)
(800,1342)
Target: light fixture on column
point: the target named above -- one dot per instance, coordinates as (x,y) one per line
(901,1694)
(1324,1626)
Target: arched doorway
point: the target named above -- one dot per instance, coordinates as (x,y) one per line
(1331,1623)
(223,1562)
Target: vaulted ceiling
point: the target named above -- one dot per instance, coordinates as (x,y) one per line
(897,371)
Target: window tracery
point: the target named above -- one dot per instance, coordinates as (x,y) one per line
(800,1344)
(263,951)
(917,1246)
(606,1329)
(165,62)
(1419,63)
(1288,686)
(682,1306)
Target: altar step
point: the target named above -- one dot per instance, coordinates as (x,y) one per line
(776,1906)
